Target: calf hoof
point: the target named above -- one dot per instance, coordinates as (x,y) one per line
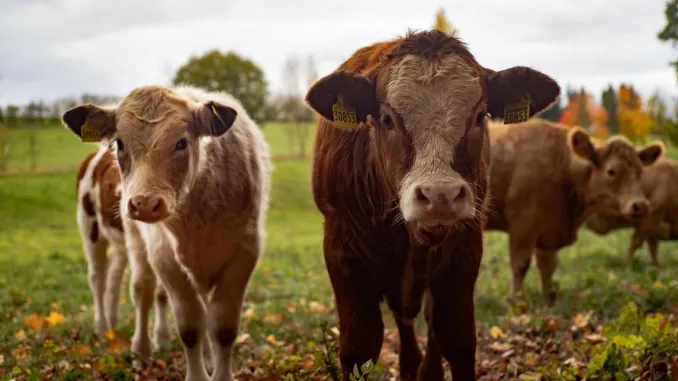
(141,347)
(550,298)
(100,326)
(161,340)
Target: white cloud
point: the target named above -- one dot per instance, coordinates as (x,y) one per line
(55,48)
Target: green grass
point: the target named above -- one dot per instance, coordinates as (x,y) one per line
(43,264)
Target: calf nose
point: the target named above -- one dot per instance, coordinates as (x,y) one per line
(639,208)
(147,209)
(441,200)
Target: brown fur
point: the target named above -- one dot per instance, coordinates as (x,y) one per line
(661,223)
(546,179)
(370,253)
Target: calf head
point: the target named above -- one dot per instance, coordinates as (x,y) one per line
(613,171)
(425,105)
(157,135)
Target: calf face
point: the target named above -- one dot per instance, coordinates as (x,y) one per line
(157,144)
(614,172)
(426,113)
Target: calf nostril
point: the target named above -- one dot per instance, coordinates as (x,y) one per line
(461,195)
(636,208)
(419,195)
(158,206)
(132,207)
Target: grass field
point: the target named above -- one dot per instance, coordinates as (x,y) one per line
(46,315)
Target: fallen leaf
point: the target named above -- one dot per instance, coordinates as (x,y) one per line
(56,305)
(496,332)
(314,306)
(531,359)
(552,324)
(499,347)
(594,338)
(83,349)
(530,376)
(248,314)
(20,335)
(273,318)
(55,318)
(110,334)
(2,359)
(658,284)
(271,339)
(242,338)
(34,322)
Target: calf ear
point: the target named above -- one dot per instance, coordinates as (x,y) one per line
(580,142)
(91,123)
(509,88)
(214,119)
(651,152)
(352,96)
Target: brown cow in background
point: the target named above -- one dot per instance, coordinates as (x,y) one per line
(660,223)
(547,178)
(400,173)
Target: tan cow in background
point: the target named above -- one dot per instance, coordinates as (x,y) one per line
(195,175)
(546,179)
(660,223)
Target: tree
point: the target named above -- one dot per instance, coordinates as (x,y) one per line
(670,30)
(582,110)
(656,111)
(443,25)
(633,121)
(553,113)
(671,125)
(12,115)
(291,106)
(609,102)
(229,72)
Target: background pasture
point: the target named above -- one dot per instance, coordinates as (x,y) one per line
(288,321)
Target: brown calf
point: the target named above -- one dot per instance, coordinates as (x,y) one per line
(195,173)
(400,174)
(546,179)
(660,223)
(101,227)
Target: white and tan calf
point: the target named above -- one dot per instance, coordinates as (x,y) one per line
(195,175)
(101,229)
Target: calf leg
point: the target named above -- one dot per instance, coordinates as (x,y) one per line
(97,263)
(453,315)
(520,256)
(431,367)
(225,308)
(161,333)
(653,246)
(188,307)
(547,261)
(360,323)
(116,271)
(141,286)
(636,241)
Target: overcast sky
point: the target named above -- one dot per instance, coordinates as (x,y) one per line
(54,48)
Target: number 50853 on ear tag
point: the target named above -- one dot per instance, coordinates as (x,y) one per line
(344,116)
(517,113)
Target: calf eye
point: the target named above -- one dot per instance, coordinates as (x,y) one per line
(387,121)
(118,143)
(611,172)
(181,144)
(480,117)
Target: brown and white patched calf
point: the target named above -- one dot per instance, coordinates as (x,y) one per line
(547,178)
(103,230)
(195,175)
(400,174)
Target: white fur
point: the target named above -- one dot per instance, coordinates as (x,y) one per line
(435,98)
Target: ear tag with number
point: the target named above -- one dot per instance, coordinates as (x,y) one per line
(344,116)
(518,112)
(89,133)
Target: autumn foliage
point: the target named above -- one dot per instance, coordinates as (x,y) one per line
(634,123)
(582,110)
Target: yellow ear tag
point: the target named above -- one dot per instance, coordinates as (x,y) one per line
(518,112)
(89,133)
(344,116)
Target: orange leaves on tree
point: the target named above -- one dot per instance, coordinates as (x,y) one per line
(582,110)
(634,123)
